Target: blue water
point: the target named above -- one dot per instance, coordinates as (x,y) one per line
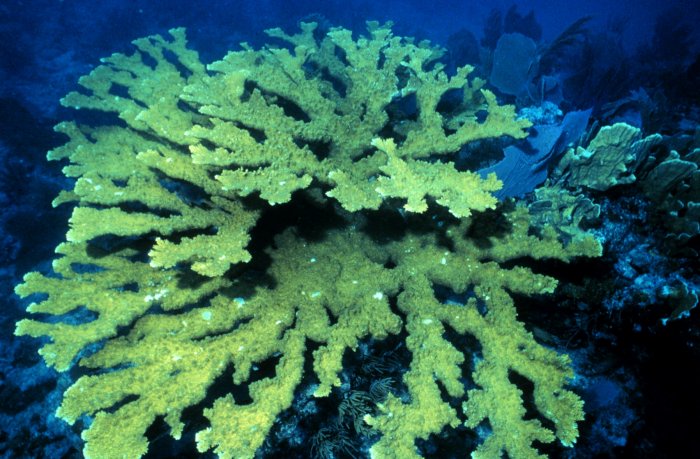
(635,355)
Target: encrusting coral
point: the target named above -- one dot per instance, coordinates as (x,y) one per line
(158,290)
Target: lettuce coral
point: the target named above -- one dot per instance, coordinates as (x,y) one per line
(172,271)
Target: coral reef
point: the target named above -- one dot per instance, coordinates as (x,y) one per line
(609,159)
(176,266)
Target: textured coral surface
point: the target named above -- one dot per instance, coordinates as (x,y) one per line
(172,272)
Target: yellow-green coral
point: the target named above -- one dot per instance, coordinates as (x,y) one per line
(170,276)
(506,344)
(460,192)
(609,159)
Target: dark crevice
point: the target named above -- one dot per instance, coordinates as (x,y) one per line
(389,226)
(107,370)
(291,109)
(310,374)
(486,225)
(394,307)
(332,318)
(119,90)
(367,153)
(189,193)
(445,294)
(341,56)
(479,154)
(392,131)
(382,60)
(136,207)
(126,400)
(390,264)
(470,347)
(189,280)
(450,102)
(174,60)
(86,268)
(187,108)
(207,144)
(224,331)
(75,317)
(311,220)
(163,446)
(337,84)
(528,396)
(103,246)
(260,370)
(320,149)
(403,74)
(402,109)
(483,430)
(97,118)
(249,86)
(445,396)
(148,60)
(220,387)
(449,443)
(257,134)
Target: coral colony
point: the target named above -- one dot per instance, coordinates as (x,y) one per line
(289,204)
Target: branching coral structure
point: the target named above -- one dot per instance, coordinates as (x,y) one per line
(158,288)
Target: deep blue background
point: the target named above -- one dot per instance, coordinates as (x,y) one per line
(46,45)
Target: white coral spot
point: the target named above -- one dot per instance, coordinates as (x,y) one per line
(157,296)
